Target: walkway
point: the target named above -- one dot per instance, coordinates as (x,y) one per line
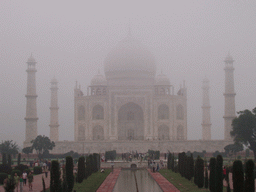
(109,182)
(37,184)
(164,184)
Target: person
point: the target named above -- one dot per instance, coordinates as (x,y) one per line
(24,177)
(21,183)
(224,172)
(17,180)
(30,180)
(157,167)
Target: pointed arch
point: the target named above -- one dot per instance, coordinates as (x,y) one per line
(81,112)
(163,132)
(163,112)
(180,112)
(98,133)
(81,133)
(180,132)
(97,112)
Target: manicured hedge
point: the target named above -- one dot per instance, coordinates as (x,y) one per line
(5,169)
(16,171)
(238,176)
(21,167)
(3,176)
(37,170)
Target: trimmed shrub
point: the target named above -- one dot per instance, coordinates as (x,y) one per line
(3,176)
(238,176)
(37,170)
(200,173)
(10,185)
(5,169)
(169,161)
(219,173)
(55,182)
(9,160)
(27,171)
(81,170)
(206,179)
(173,162)
(19,156)
(192,166)
(21,167)
(16,171)
(212,183)
(69,173)
(110,155)
(4,159)
(249,184)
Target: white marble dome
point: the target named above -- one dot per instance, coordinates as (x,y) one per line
(98,79)
(162,79)
(129,59)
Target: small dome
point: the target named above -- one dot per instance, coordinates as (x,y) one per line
(98,80)
(129,59)
(54,80)
(162,79)
(229,58)
(31,59)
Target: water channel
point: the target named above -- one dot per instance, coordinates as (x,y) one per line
(136,181)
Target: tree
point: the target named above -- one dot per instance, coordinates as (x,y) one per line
(55,182)
(9,147)
(244,129)
(249,184)
(27,150)
(233,148)
(219,174)
(42,144)
(69,173)
(238,176)
(81,170)
(212,183)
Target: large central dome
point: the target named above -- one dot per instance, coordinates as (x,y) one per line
(129,59)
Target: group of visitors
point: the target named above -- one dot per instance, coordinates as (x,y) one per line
(21,181)
(153,166)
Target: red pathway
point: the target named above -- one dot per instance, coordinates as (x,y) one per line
(37,184)
(109,182)
(164,184)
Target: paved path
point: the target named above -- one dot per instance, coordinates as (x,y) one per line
(37,184)
(109,182)
(164,184)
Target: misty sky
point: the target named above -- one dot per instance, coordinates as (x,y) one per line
(70,39)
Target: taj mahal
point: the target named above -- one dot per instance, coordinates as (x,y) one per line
(130,107)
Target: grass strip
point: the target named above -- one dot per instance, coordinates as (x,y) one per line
(93,182)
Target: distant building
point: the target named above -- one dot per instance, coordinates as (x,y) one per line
(130,108)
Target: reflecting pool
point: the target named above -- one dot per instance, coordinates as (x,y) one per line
(136,181)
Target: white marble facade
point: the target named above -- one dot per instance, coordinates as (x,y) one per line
(130,102)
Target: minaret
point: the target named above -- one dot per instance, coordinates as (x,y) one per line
(31,110)
(206,116)
(54,119)
(230,111)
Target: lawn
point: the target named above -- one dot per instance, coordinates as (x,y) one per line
(92,183)
(181,183)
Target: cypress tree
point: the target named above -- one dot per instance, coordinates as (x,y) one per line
(4,159)
(212,180)
(219,173)
(192,165)
(249,184)
(9,160)
(169,161)
(172,162)
(55,182)
(81,170)
(206,180)
(69,173)
(200,172)
(19,156)
(238,176)
(195,172)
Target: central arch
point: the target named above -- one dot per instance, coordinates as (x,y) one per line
(130,122)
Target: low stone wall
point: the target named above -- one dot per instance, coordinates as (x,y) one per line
(140,146)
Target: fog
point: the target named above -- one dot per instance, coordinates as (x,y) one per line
(70,39)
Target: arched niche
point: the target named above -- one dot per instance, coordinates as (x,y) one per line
(180,112)
(98,133)
(130,122)
(97,112)
(81,112)
(180,132)
(163,132)
(81,133)
(163,112)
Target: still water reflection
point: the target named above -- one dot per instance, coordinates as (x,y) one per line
(126,182)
